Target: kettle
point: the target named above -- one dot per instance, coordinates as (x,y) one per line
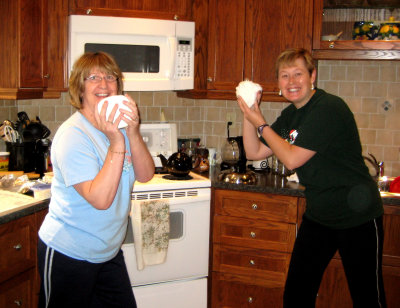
(178,164)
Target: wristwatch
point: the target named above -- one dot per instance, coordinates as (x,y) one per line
(260,129)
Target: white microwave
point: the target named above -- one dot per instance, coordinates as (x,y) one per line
(153,54)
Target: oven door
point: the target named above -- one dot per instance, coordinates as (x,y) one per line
(188,248)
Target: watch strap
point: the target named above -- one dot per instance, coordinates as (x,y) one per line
(260,129)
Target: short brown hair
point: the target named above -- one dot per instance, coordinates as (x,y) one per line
(82,68)
(289,56)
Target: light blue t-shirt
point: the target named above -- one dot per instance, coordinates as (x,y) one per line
(73,226)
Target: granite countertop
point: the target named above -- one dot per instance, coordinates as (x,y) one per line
(265,183)
(275,184)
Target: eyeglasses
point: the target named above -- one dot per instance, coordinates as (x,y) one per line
(98,79)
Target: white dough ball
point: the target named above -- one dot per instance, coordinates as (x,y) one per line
(112,101)
(248,91)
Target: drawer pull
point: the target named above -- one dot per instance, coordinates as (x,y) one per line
(252,234)
(18,247)
(254,206)
(18,302)
(250,299)
(252,262)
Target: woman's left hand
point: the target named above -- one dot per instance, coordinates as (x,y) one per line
(253,114)
(131,116)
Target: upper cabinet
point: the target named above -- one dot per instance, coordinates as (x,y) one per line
(243,39)
(166,9)
(32,46)
(361,25)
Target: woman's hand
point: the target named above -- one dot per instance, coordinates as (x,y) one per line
(131,116)
(253,114)
(107,125)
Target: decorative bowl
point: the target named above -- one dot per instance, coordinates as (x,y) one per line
(364,30)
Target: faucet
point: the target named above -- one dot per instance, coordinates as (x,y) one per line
(379,166)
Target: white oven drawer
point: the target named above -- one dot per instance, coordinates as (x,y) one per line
(177,294)
(188,248)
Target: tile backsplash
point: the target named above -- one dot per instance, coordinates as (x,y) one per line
(370,88)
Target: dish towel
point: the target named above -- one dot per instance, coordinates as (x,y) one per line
(150,223)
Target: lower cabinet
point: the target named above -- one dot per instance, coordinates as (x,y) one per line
(19,279)
(19,291)
(252,239)
(253,235)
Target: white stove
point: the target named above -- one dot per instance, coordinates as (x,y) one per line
(180,281)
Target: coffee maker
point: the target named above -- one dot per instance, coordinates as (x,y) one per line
(233,154)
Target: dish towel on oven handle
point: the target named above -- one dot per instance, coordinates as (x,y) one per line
(150,223)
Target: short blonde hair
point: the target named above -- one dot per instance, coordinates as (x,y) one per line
(289,56)
(82,68)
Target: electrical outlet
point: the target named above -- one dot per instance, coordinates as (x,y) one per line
(231,117)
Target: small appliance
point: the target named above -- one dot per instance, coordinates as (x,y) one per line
(153,54)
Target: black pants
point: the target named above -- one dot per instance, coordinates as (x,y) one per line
(67,282)
(360,249)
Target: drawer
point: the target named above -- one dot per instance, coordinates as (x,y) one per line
(229,291)
(18,291)
(256,205)
(261,267)
(18,240)
(253,233)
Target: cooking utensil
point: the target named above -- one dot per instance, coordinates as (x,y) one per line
(178,164)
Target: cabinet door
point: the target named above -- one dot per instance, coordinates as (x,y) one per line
(18,291)
(226,44)
(271,27)
(18,240)
(21,45)
(166,9)
(229,291)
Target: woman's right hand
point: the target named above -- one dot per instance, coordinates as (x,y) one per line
(108,126)
(252,114)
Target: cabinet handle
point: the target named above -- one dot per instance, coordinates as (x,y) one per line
(250,300)
(18,302)
(252,234)
(209,79)
(89,11)
(332,45)
(176,17)
(252,262)
(47,76)
(18,247)
(254,206)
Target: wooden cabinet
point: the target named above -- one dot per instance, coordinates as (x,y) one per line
(332,20)
(32,44)
(252,239)
(19,280)
(166,9)
(253,235)
(244,38)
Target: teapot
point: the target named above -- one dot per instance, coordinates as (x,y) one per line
(178,164)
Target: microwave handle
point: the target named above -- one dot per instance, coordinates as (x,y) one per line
(172,44)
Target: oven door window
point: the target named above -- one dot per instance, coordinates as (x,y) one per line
(175,227)
(131,58)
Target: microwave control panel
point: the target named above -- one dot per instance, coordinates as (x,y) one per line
(184,58)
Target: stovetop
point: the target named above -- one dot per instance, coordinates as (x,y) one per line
(159,182)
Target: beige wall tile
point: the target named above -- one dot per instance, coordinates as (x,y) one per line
(377,121)
(362,120)
(371,73)
(384,137)
(354,73)
(338,72)
(369,105)
(388,73)
(367,136)
(346,88)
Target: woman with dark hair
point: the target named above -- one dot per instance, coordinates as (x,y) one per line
(95,165)
(317,137)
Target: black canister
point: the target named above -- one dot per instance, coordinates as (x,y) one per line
(22,156)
